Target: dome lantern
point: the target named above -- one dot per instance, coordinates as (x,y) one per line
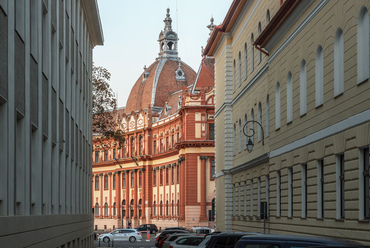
(168,40)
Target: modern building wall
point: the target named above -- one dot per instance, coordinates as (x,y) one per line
(45,121)
(309,91)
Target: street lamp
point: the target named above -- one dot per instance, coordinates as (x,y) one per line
(245,131)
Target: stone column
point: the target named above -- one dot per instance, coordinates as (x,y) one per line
(203,214)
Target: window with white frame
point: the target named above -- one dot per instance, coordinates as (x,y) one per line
(320,189)
(251,199)
(267,115)
(259,121)
(245,60)
(338,63)
(240,69)
(290,192)
(289,98)
(303,88)
(240,136)
(234,140)
(259,197)
(252,53)
(340,187)
(304,190)
(277,106)
(364,200)
(245,198)
(278,193)
(363,46)
(319,77)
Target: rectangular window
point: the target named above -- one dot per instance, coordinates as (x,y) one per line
(124,180)
(114,181)
(178,174)
(239,199)
(178,137)
(211,130)
(155,147)
(161,177)
(167,175)
(106,182)
(106,155)
(278,193)
(245,198)
(364,184)
(290,192)
(97,183)
(251,199)
(259,197)
(304,190)
(340,187)
(132,179)
(234,203)
(320,188)
(167,144)
(97,157)
(173,141)
(114,153)
(155,178)
(173,174)
(161,146)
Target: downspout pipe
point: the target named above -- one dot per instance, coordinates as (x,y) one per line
(260,49)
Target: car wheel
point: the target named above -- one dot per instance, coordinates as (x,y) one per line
(152,231)
(132,239)
(106,239)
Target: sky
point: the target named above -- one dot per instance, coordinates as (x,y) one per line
(131,29)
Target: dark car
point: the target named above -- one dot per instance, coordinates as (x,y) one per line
(145,227)
(177,228)
(166,232)
(226,239)
(286,241)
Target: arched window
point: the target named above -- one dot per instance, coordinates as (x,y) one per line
(267,115)
(319,77)
(252,53)
(259,121)
(267,16)
(245,138)
(96,209)
(96,182)
(245,60)
(132,179)
(240,136)
(161,209)
(154,209)
(277,106)
(114,209)
(123,180)
(259,58)
(363,45)
(303,89)
(106,182)
(338,63)
(234,75)
(234,139)
(289,98)
(141,144)
(132,146)
(240,69)
(106,209)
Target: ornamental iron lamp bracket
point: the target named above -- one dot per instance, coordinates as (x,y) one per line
(245,131)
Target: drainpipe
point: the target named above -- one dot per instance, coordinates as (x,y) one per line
(260,49)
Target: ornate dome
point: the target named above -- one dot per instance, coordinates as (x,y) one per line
(166,75)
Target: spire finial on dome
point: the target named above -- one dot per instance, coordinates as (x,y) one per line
(167,21)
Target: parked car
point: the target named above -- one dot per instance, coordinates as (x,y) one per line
(171,238)
(201,230)
(205,241)
(121,234)
(145,227)
(187,242)
(177,228)
(164,234)
(226,239)
(285,241)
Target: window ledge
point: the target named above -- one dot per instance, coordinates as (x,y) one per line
(340,220)
(364,221)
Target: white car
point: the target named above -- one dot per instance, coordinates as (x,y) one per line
(187,242)
(173,237)
(121,234)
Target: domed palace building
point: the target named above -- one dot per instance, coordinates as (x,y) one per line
(164,172)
